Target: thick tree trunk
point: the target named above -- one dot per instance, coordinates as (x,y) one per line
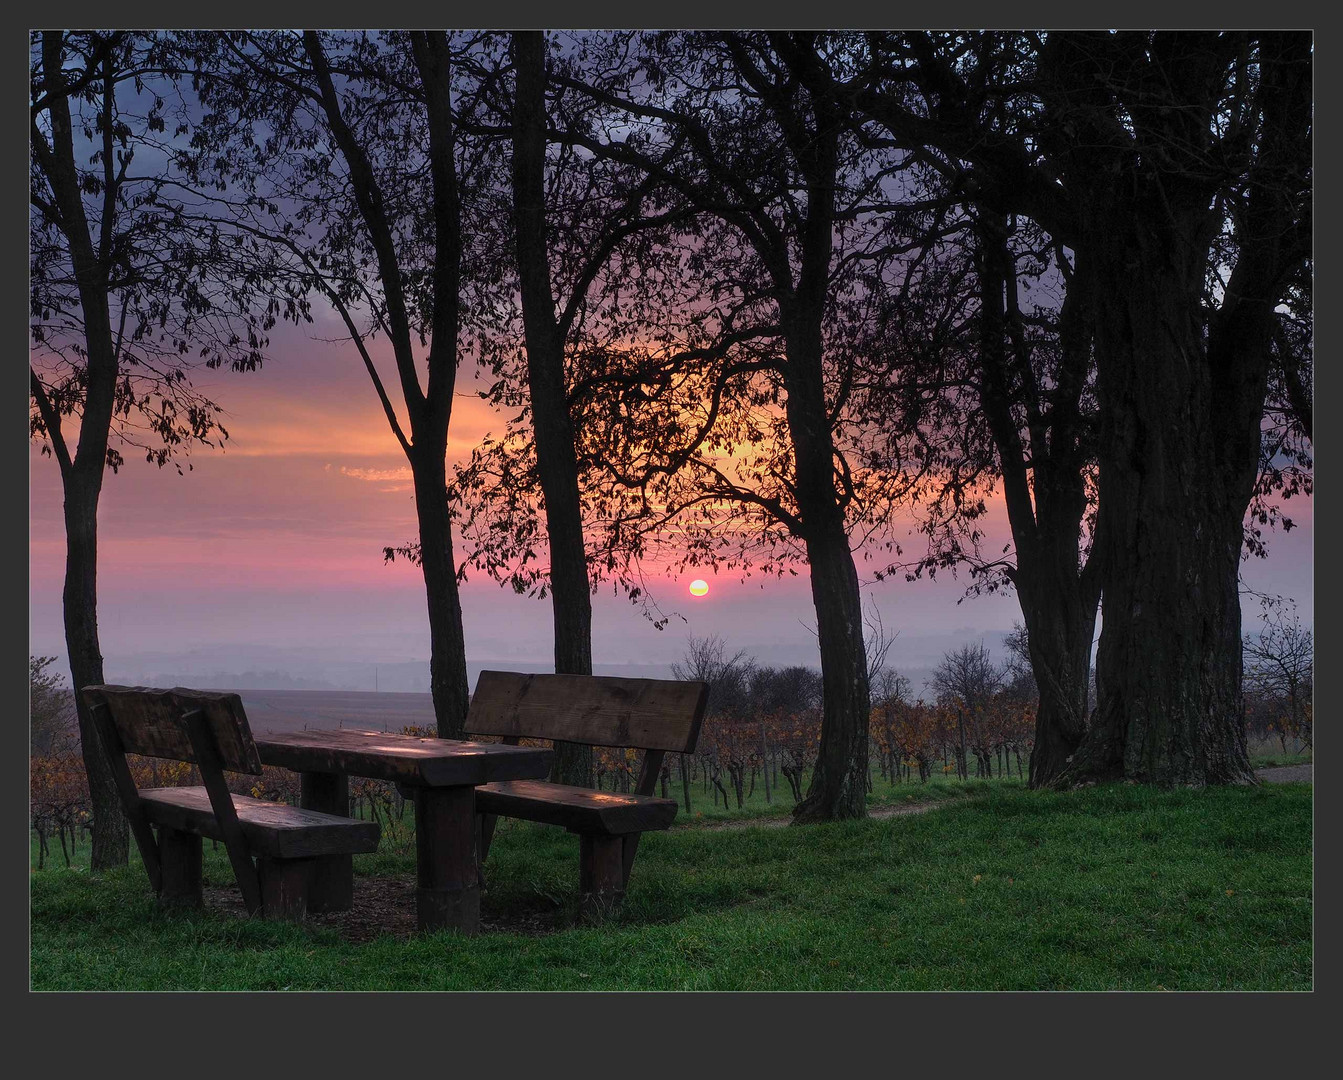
(111,844)
(1168,670)
(1169,663)
(1182,391)
(556,461)
(447,643)
(1140,201)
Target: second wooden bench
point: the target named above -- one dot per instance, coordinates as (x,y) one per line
(652,715)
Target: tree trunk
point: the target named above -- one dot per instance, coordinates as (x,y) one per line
(1168,668)
(764,762)
(82,475)
(1060,623)
(111,841)
(1181,392)
(556,461)
(1045,508)
(838,786)
(447,642)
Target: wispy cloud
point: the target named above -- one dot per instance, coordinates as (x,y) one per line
(377,475)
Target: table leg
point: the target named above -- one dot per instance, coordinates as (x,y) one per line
(445,858)
(332,883)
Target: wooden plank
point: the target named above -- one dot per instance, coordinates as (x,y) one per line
(447,880)
(659,714)
(403,759)
(221,802)
(275,830)
(648,772)
(149,722)
(110,737)
(575,808)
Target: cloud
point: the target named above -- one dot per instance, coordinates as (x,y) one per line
(378,475)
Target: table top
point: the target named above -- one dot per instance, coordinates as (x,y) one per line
(403,759)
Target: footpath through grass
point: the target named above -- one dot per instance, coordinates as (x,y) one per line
(1273,760)
(1120,887)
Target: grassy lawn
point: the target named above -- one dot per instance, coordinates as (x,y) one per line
(1108,888)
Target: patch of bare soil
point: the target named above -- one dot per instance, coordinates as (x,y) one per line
(386,905)
(1287,774)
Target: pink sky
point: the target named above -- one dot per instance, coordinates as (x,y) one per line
(276,542)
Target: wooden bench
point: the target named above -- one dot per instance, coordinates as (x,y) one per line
(210,729)
(652,715)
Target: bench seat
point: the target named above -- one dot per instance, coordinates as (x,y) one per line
(577,809)
(273,830)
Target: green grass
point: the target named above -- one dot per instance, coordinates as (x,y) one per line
(1118,887)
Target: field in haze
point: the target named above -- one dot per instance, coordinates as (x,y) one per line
(294,710)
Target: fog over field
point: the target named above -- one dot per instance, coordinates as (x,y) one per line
(301,669)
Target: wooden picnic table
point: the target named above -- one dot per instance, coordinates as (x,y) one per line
(442,775)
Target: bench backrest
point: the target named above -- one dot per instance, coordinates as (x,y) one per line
(153,723)
(601,710)
(205,727)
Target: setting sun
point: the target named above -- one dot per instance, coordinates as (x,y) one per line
(699,587)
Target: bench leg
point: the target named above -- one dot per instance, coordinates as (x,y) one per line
(180,868)
(448,893)
(284,887)
(332,887)
(631,848)
(485,824)
(601,874)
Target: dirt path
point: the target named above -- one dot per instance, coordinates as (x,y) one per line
(1287,774)
(781,822)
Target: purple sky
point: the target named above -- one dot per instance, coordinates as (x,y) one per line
(271,551)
